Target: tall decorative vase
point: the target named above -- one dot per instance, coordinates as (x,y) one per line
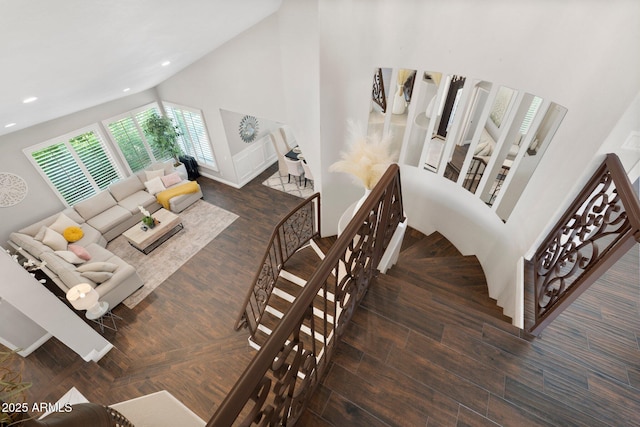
(360,202)
(399,104)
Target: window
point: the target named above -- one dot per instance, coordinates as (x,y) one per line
(127,132)
(77,165)
(531,113)
(194,139)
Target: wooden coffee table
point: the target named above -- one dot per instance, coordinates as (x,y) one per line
(147,240)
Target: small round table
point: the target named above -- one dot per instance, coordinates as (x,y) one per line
(99,317)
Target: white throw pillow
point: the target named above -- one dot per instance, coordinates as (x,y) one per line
(70,257)
(40,234)
(62,223)
(157,173)
(154,186)
(98,266)
(97,276)
(54,240)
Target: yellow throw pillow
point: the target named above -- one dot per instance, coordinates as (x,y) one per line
(73,234)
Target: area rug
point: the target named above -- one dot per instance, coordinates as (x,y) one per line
(202,223)
(280,183)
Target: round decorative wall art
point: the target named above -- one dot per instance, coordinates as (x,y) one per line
(12,189)
(248,128)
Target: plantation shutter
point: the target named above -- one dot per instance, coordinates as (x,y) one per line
(127,132)
(194,140)
(95,158)
(127,136)
(76,168)
(531,113)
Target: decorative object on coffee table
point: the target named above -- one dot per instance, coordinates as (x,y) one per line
(166,224)
(147,219)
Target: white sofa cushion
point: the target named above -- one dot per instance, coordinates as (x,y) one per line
(154,185)
(151,174)
(95,205)
(54,240)
(29,244)
(62,223)
(97,276)
(97,266)
(109,218)
(140,198)
(70,257)
(126,187)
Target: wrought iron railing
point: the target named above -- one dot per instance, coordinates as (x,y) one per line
(599,227)
(378,94)
(275,388)
(293,232)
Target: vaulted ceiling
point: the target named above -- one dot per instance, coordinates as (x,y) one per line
(75,54)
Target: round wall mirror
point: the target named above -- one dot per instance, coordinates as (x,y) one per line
(248,128)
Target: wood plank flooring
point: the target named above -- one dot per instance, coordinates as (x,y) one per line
(426,347)
(181,337)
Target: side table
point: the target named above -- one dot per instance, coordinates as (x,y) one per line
(100,316)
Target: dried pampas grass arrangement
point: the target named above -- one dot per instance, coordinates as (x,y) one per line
(368,156)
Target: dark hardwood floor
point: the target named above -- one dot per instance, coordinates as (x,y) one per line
(427,347)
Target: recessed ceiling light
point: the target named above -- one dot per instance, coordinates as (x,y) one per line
(127,89)
(29,99)
(165,63)
(8,125)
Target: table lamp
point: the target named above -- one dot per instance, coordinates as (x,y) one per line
(84,297)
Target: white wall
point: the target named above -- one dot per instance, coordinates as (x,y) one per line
(41,201)
(576,54)
(244,75)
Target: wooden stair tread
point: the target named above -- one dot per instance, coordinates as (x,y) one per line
(434,245)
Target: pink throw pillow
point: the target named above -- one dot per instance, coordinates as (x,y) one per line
(80,252)
(171,179)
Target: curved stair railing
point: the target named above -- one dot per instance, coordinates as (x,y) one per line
(293,232)
(599,227)
(277,385)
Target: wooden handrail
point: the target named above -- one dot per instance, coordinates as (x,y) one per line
(597,229)
(276,386)
(296,229)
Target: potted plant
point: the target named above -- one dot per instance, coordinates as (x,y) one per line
(164,136)
(12,391)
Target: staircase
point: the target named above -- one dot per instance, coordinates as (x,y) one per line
(290,283)
(430,263)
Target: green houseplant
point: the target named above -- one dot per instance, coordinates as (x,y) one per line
(163,135)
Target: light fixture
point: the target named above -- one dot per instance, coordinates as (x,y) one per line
(84,297)
(165,63)
(30,99)
(8,125)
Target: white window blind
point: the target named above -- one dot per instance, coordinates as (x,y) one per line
(77,165)
(127,132)
(194,140)
(531,113)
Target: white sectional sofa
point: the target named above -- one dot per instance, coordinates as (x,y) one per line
(102,218)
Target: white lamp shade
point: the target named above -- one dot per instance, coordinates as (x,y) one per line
(83,296)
